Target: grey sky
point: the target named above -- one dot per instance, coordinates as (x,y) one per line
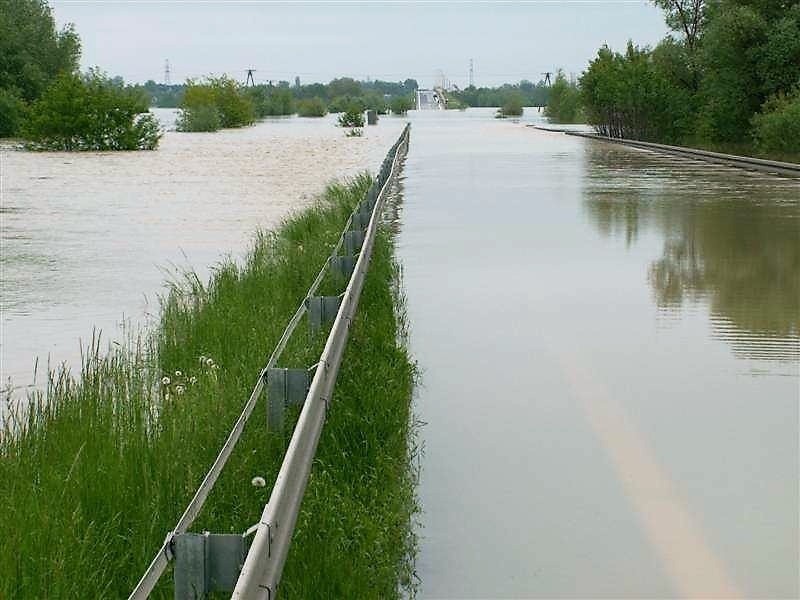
(319,41)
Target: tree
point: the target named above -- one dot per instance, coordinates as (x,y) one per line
(564,105)
(32,52)
(91,113)
(686,17)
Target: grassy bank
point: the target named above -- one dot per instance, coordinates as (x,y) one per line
(102,465)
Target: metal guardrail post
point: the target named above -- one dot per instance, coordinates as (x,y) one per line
(263,566)
(285,387)
(298,460)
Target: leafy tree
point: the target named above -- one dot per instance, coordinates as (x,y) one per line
(776,129)
(564,104)
(512,107)
(685,16)
(400,105)
(91,113)
(12,113)
(32,52)
(214,103)
(312,107)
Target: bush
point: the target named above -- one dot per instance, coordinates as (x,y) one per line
(269,101)
(220,95)
(204,117)
(345,103)
(12,113)
(776,129)
(91,113)
(312,107)
(512,107)
(563,105)
(400,105)
(353,117)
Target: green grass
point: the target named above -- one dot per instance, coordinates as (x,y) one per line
(100,467)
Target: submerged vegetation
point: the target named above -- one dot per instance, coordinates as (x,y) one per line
(98,467)
(512,107)
(564,103)
(44,99)
(214,103)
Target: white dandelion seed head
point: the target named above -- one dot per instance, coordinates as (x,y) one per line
(215,366)
(179,389)
(165,380)
(202,359)
(209,362)
(193,380)
(258,482)
(178,374)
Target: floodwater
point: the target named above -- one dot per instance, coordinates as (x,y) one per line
(609,342)
(88,239)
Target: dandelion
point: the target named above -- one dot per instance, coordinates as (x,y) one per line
(193,380)
(202,359)
(258,482)
(165,380)
(178,374)
(215,366)
(179,389)
(209,362)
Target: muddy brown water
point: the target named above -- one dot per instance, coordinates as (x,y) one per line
(608,341)
(88,239)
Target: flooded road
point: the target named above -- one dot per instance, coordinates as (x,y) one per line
(609,342)
(89,238)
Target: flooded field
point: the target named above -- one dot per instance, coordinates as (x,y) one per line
(89,238)
(609,342)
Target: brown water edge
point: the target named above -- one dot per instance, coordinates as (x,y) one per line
(89,238)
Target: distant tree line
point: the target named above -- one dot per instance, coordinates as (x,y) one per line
(46,101)
(526,92)
(207,104)
(728,78)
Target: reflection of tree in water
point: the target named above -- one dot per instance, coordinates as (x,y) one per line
(739,251)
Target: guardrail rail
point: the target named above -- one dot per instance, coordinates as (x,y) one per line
(206,562)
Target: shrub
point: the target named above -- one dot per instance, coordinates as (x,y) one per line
(345,103)
(401,105)
(91,113)
(220,96)
(563,105)
(312,107)
(776,129)
(512,107)
(269,101)
(353,117)
(12,113)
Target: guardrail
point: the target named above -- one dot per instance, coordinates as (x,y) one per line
(743,162)
(211,562)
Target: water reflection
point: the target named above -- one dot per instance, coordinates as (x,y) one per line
(729,246)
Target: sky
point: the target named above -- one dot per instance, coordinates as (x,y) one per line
(319,41)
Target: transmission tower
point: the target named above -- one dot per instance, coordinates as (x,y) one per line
(471,73)
(166,73)
(547,78)
(250,80)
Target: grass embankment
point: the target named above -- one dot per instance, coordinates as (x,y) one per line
(102,465)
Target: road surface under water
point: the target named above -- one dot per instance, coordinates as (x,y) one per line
(608,340)
(88,239)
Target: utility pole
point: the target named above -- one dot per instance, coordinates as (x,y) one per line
(166,73)
(547,78)
(471,73)
(250,80)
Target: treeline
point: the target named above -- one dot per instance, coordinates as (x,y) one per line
(564,104)
(220,102)
(46,101)
(728,78)
(526,92)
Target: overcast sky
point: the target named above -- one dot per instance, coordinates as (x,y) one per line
(319,41)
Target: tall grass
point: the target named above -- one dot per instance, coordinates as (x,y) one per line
(99,467)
